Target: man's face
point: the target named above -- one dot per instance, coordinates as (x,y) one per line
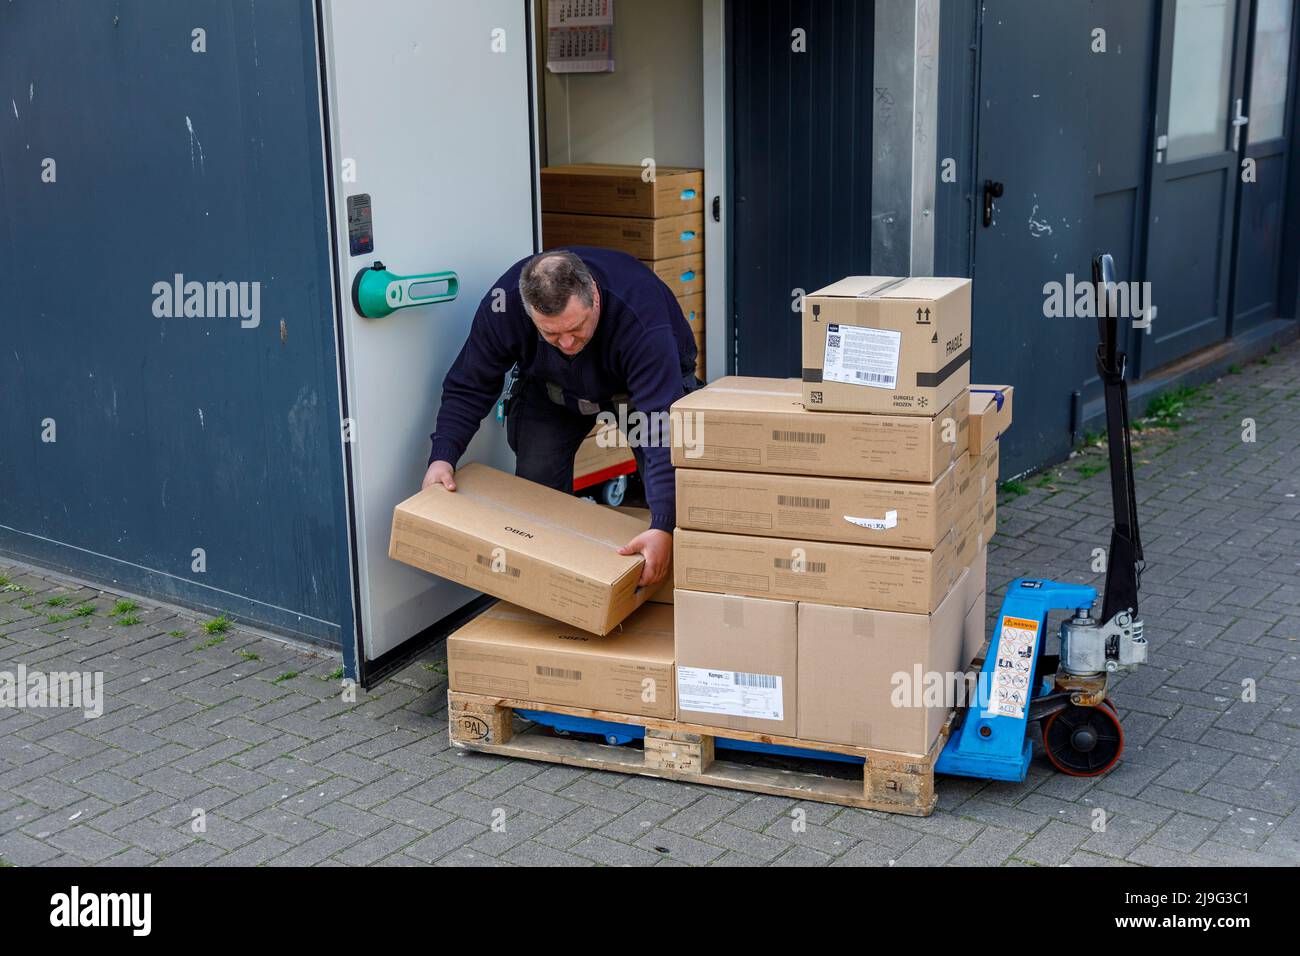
(572,329)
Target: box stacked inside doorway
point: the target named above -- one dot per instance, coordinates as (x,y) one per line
(831,554)
(655,214)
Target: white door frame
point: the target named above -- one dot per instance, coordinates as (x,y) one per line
(717,247)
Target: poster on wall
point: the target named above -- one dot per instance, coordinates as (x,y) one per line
(580,36)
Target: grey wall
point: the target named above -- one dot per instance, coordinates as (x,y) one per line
(172,433)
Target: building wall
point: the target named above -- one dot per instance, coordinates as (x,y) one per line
(650,106)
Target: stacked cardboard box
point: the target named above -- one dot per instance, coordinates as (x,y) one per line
(828,535)
(661,222)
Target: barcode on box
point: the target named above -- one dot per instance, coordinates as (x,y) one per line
(767,681)
(560,672)
(874,377)
(486,561)
(811,567)
(808,438)
(798,501)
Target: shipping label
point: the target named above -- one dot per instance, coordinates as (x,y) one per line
(734,693)
(858,355)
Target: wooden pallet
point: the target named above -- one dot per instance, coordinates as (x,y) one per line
(673,750)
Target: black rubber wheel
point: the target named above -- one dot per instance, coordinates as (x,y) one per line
(1083,741)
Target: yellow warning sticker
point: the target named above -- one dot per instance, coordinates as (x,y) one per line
(1021,622)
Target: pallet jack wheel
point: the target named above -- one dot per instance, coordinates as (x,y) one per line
(1084,741)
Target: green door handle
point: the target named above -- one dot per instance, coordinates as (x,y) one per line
(376,292)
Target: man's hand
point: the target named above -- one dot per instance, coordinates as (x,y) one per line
(657,549)
(440,473)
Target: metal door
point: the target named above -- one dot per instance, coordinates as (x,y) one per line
(1194,175)
(1264,166)
(430,114)
(1032,176)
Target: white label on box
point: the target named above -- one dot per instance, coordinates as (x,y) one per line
(858,355)
(734,693)
(1014,667)
(890,520)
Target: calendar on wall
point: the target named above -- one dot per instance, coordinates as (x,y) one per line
(580,36)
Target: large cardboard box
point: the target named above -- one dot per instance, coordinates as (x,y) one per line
(851,575)
(619,190)
(976,599)
(990,414)
(514,539)
(737,662)
(989,514)
(863,673)
(886,345)
(901,514)
(642,238)
(683,274)
(508,651)
(761,424)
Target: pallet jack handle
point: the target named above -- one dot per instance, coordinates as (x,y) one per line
(1124,562)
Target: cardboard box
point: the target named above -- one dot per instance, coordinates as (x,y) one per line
(990,414)
(642,238)
(693,308)
(848,659)
(737,662)
(886,345)
(761,424)
(988,466)
(508,651)
(976,600)
(618,190)
(683,274)
(989,514)
(531,545)
(593,461)
(902,514)
(784,569)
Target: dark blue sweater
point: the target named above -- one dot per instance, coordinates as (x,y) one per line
(642,348)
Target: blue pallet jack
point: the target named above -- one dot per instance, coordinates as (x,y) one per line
(1019,684)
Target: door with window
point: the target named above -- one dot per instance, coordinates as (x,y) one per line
(1195,173)
(1264,166)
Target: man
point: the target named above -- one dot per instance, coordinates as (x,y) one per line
(589,329)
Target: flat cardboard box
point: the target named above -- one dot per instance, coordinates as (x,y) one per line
(848,659)
(737,662)
(990,414)
(593,460)
(528,544)
(903,514)
(619,190)
(886,345)
(508,651)
(642,238)
(761,424)
(683,274)
(784,569)
(976,600)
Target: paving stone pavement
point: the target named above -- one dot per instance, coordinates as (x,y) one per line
(250,736)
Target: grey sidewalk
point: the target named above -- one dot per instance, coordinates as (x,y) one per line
(253,733)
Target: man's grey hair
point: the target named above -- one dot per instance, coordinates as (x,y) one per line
(550,279)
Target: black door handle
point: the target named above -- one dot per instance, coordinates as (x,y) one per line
(992,191)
